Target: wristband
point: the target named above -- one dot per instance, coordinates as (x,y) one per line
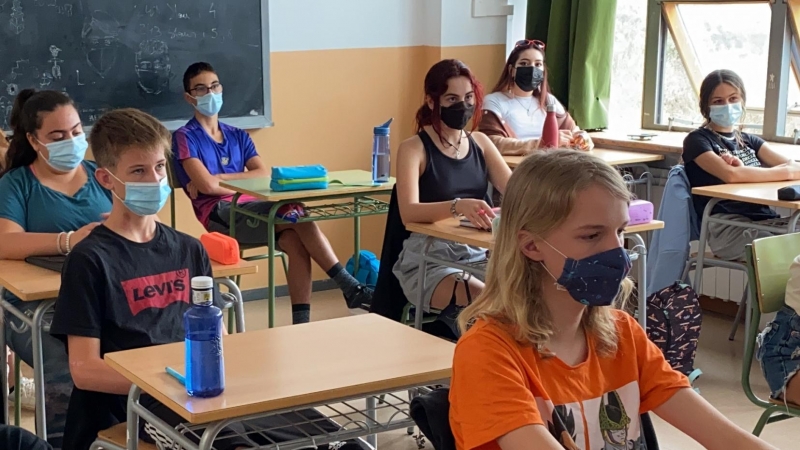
(67,244)
(453,208)
(58,243)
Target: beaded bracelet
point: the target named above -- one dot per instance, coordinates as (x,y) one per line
(58,243)
(68,247)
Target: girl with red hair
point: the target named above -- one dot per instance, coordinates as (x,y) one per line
(444,171)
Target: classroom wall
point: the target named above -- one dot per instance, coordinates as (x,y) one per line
(340,67)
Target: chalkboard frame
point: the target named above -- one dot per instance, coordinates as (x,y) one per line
(249,122)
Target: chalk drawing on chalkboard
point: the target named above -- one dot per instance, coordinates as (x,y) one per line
(100,41)
(56,69)
(17,19)
(5,110)
(153,67)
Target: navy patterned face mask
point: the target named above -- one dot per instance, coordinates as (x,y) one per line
(593,281)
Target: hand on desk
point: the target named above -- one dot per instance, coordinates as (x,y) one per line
(564,138)
(477,212)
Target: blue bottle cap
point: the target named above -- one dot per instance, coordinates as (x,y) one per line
(383,130)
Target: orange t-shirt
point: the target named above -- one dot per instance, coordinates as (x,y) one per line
(499,385)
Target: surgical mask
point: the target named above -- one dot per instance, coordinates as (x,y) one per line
(66,155)
(726,115)
(457,116)
(145,198)
(209,104)
(529,78)
(593,281)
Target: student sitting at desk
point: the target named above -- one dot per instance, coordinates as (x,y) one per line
(442,172)
(548,363)
(515,110)
(51,201)
(100,307)
(207,152)
(718,153)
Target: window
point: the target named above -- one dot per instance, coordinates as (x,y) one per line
(627,67)
(706,37)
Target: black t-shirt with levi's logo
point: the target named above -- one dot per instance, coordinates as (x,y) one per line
(128,294)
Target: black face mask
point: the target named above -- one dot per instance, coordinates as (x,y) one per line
(457,115)
(529,78)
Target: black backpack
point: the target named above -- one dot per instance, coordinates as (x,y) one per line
(673,324)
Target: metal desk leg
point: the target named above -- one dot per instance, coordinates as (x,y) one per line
(356,235)
(38,367)
(4,362)
(641,260)
(133,418)
(372,416)
(238,305)
(701,247)
(423,267)
(271,263)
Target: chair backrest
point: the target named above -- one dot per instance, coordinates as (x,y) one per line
(172,178)
(772,258)
(388,299)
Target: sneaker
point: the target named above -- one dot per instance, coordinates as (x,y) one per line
(361,299)
(26,395)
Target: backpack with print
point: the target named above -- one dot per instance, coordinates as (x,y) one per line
(368,266)
(673,324)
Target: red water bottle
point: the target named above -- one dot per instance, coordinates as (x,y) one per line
(550,130)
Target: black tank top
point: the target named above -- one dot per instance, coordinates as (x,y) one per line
(446,178)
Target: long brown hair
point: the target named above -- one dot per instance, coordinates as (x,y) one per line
(710,82)
(436,86)
(506,80)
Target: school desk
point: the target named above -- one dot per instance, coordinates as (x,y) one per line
(328,365)
(354,185)
(31,283)
(615,158)
(669,142)
(450,230)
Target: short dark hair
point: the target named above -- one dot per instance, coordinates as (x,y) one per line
(193,71)
(125,129)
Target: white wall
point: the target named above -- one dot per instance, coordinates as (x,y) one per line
(298,25)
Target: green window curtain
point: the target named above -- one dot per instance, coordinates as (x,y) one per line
(580,40)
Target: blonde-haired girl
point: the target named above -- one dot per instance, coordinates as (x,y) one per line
(546,361)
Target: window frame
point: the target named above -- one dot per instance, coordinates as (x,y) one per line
(664,17)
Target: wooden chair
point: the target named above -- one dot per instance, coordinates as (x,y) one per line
(768,262)
(115,438)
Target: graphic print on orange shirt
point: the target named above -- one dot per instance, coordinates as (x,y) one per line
(157,291)
(603,423)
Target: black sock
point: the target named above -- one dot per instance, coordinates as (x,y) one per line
(301,313)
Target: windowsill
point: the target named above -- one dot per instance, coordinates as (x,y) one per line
(668,142)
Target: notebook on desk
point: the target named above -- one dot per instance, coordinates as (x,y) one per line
(54,263)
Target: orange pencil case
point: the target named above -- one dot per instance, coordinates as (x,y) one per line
(222,249)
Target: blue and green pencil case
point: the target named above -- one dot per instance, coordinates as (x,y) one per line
(299,178)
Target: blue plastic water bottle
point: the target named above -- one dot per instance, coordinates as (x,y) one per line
(381,154)
(205,366)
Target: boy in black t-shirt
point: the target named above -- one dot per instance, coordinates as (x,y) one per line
(127,284)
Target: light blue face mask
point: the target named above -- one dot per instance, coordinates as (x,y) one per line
(726,115)
(209,104)
(66,155)
(145,198)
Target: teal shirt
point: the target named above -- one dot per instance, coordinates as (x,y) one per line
(39,209)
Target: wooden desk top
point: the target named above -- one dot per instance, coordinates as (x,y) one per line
(259,187)
(450,230)
(758,193)
(294,366)
(31,283)
(612,157)
(670,142)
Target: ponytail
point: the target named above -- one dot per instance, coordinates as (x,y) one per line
(25,118)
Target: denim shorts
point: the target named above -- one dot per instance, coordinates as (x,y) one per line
(779,350)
